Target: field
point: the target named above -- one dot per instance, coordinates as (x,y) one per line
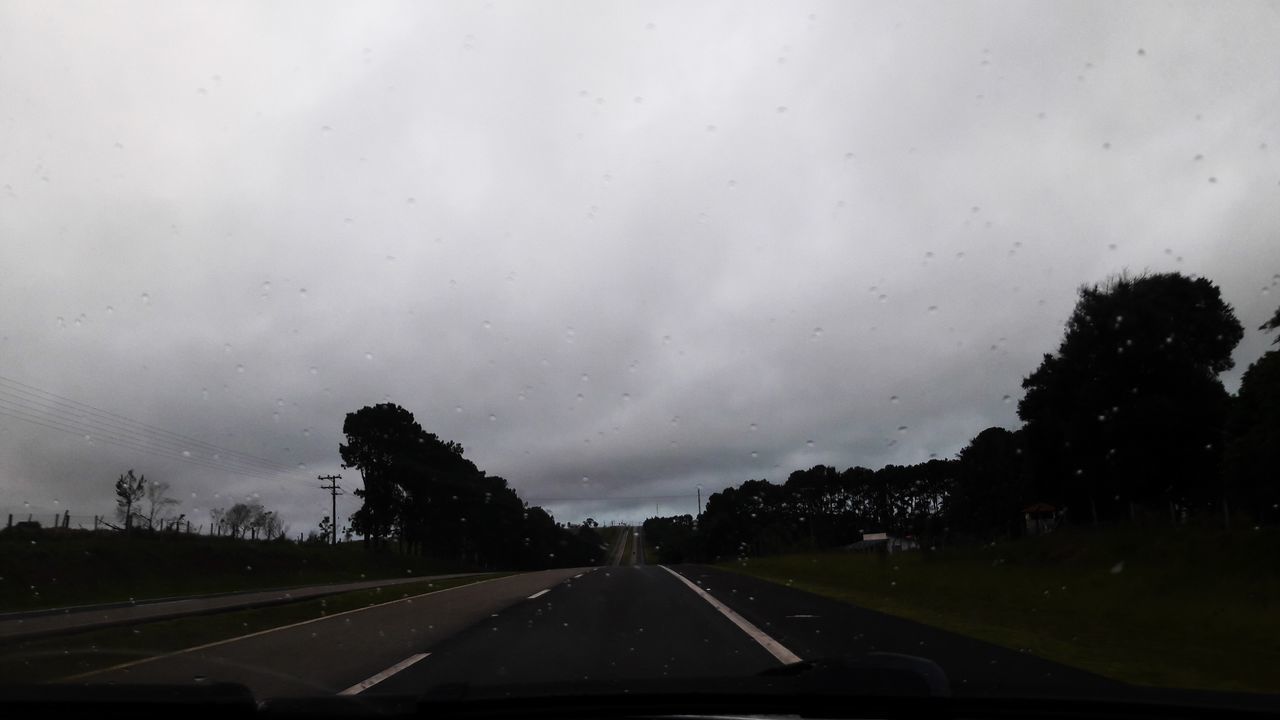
(1172,607)
(60,568)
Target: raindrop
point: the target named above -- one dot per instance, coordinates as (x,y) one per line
(781,109)
(266,288)
(817,333)
(893,399)
(585,479)
(240,368)
(755,454)
(302,292)
(585,378)
(146,298)
(457,408)
(110,309)
(186,453)
(1141,52)
(306,432)
(902,428)
(493,418)
(1106,146)
(753,427)
(1006,399)
(368,356)
(313,370)
(933,309)
(326,129)
(1213,179)
(808,443)
(1117,568)
(486,325)
(204,393)
(626,396)
(883,298)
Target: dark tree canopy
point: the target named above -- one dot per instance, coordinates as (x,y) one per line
(991,486)
(1251,467)
(1130,408)
(422,492)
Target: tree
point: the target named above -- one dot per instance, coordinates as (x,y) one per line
(381,442)
(1252,461)
(241,518)
(158,503)
(1130,410)
(129,492)
(991,488)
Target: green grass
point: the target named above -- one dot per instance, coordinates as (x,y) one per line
(53,658)
(1170,607)
(60,568)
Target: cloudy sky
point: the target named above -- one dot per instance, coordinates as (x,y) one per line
(617,250)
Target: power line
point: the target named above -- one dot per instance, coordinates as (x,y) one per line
(95,430)
(112,417)
(56,412)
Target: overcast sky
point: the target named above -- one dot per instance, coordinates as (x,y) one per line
(617,251)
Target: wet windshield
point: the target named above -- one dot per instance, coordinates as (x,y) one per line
(360,348)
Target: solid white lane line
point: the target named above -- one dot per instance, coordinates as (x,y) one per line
(575,577)
(366,684)
(775,648)
(539,594)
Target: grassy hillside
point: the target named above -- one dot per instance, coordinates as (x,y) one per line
(54,569)
(1176,607)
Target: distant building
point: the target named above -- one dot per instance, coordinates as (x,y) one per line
(883,542)
(1040,518)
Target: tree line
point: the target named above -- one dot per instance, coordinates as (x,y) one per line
(422,494)
(1128,421)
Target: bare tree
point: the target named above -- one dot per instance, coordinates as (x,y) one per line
(158,503)
(129,492)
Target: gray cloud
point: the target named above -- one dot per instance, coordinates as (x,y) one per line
(653,246)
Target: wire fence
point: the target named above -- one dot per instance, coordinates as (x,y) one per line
(66,520)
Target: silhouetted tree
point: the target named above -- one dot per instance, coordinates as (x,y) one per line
(381,440)
(991,487)
(1251,468)
(129,492)
(1130,409)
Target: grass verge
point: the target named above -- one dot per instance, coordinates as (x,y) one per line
(1166,607)
(52,658)
(60,568)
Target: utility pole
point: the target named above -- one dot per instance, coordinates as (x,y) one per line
(334,492)
(697,514)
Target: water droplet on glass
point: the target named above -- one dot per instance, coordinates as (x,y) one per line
(186,453)
(240,368)
(486,325)
(781,109)
(755,454)
(493,418)
(883,298)
(808,443)
(457,408)
(368,356)
(1117,568)
(902,428)
(817,333)
(146,298)
(893,399)
(933,309)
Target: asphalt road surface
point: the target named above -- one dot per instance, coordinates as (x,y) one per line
(86,617)
(614,623)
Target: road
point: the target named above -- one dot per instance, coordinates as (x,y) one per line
(613,623)
(14,626)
